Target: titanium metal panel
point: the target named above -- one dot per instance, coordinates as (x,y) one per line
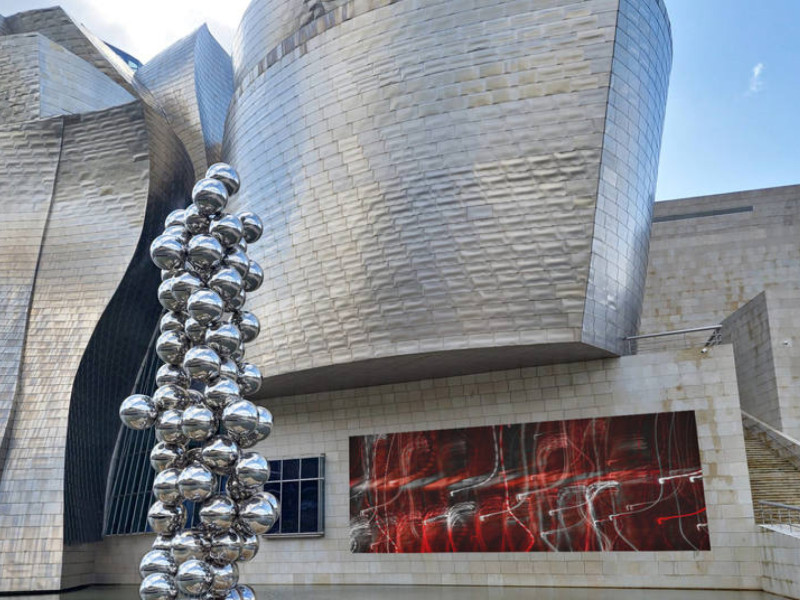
(429,185)
(42,79)
(192,83)
(626,194)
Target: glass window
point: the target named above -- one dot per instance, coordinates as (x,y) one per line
(298,483)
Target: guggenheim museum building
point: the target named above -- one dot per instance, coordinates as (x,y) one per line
(491,358)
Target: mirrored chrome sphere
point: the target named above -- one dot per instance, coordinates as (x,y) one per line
(166,519)
(245,592)
(249,379)
(171,346)
(194,330)
(204,252)
(225,548)
(237,302)
(178,231)
(249,547)
(194,577)
(220,454)
(196,483)
(162,542)
(237,491)
(198,423)
(195,222)
(265,423)
(225,578)
(158,586)
(205,306)
(168,427)
(237,259)
(226,174)
(209,196)
(221,392)
(166,296)
(228,369)
(157,561)
(187,545)
(227,282)
(202,363)
(138,411)
(175,218)
(170,273)
(218,513)
(249,326)
(252,469)
(240,418)
(165,456)
(253,227)
(168,252)
(224,338)
(165,487)
(172,375)
(184,285)
(228,230)
(170,396)
(254,277)
(258,514)
(171,321)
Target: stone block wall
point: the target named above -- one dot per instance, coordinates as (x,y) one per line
(322,423)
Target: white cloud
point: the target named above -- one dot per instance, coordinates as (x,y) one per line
(145,27)
(756,82)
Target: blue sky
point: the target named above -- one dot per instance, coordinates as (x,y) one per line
(732,125)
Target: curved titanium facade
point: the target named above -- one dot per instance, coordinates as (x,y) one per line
(431,191)
(192,83)
(99,168)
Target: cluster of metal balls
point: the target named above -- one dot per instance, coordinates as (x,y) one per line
(203,423)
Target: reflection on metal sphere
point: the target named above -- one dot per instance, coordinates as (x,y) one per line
(168,427)
(209,196)
(237,259)
(166,519)
(249,325)
(225,577)
(219,455)
(170,396)
(252,469)
(196,482)
(158,586)
(205,306)
(228,230)
(227,282)
(194,577)
(166,297)
(157,561)
(228,369)
(218,513)
(258,514)
(187,545)
(249,379)
(254,277)
(202,363)
(249,547)
(221,392)
(204,252)
(194,330)
(176,218)
(138,412)
(224,339)
(198,423)
(184,285)
(227,175)
(167,252)
(171,321)
(240,418)
(246,592)
(171,346)
(253,227)
(172,374)
(165,456)
(225,548)
(196,223)
(165,487)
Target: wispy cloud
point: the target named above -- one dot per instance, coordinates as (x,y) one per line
(756,81)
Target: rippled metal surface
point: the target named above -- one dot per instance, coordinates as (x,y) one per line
(431,200)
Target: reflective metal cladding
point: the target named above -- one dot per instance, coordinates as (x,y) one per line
(442,199)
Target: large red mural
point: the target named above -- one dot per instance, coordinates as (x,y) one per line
(610,484)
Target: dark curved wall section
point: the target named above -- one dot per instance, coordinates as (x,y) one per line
(117,347)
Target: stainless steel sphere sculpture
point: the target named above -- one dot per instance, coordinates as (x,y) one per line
(203,421)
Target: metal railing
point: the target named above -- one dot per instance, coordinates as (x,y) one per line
(783,516)
(676,339)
